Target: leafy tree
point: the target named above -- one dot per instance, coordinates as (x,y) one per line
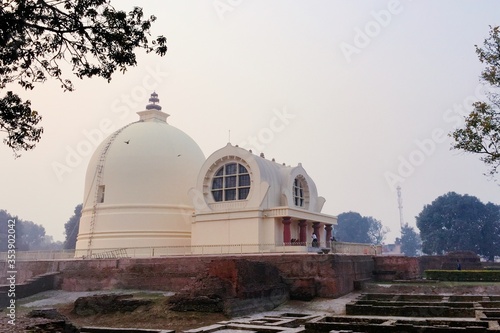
(354,228)
(48,244)
(377,231)
(410,241)
(481,132)
(71,228)
(29,236)
(4,219)
(490,233)
(455,222)
(37,36)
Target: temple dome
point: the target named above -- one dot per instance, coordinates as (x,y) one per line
(137,183)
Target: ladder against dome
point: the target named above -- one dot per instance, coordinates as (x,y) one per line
(153,111)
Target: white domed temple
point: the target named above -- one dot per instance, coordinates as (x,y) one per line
(149,185)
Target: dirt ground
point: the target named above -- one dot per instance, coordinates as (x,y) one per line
(159,316)
(156,316)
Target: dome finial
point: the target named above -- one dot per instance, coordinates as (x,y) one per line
(153,100)
(153,110)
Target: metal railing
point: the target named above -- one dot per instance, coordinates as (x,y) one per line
(187,250)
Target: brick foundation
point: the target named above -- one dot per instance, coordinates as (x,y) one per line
(333,275)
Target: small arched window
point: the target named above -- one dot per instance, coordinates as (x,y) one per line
(231,182)
(300,192)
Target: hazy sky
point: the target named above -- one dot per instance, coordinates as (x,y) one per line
(362,93)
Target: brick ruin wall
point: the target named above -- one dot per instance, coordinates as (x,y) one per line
(388,268)
(328,275)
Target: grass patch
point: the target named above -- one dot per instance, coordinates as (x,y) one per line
(436,283)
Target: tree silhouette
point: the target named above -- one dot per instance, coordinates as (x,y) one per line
(71,228)
(37,36)
(410,241)
(28,235)
(481,132)
(354,228)
(455,222)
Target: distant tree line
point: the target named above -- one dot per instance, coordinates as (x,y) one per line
(353,228)
(32,237)
(29,236)
(455,222)
(452,222)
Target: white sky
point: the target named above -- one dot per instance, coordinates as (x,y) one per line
(349,118)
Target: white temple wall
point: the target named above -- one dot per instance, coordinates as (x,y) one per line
(136,226)
(226,231)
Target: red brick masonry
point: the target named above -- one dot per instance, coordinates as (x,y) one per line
(327,275)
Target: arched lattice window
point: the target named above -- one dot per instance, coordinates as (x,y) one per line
(300,192)
(231,182)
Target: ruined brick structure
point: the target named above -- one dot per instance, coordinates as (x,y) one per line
(303,276)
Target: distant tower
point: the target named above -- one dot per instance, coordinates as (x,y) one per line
(400,206)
